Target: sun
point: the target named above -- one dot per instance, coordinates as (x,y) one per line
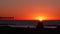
(40,18)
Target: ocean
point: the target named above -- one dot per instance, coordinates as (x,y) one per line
(28,23)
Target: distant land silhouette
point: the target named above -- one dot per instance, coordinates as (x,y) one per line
(6,18)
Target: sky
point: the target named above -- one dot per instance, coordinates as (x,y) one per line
(30,9)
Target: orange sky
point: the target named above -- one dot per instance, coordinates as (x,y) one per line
(30,9)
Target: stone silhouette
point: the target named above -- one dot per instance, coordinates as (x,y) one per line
(39,26)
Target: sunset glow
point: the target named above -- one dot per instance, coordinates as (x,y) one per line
(31,9)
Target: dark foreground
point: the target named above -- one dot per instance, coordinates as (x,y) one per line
(9,30)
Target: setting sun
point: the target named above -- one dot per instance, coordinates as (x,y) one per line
(41,18)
